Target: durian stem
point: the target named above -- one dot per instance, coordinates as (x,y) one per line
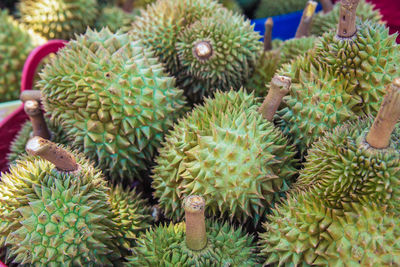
(62,159)
(327,5)
(388,115)
(269,24)
(196,236)
(32,108)
(30,95)
(279,87)
(306,19)
(128,6)
(347,19)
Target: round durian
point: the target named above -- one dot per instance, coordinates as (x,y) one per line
(132,214)
(58,19)
(326,22)
(268,8)
(226,151)
(218,244)
(16,42)
(113,98)
(56,215)
(114,18)
(303,232)
(200,42)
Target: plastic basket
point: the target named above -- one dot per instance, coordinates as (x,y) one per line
(10,126)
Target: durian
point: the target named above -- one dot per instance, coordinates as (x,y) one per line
(132,214)
(226,151)
(58,211)
(58,19)
(342,77)
(113,98)
(269,8)
(194,242)
(326,21)
(114,18)
(201,43)
(16,42)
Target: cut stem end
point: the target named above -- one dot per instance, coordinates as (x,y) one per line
(305,23)
(196,236)
(32,109)
(347,19)
(269,24)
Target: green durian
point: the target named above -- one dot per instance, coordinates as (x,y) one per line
(337,80)
(269,8)
(114,18)
(17,147)
(172,245)
(56,217)
(303,232)
(113,98)
(132,214)
(16,42)
(226,151)
(58,19)
(326,22)
(201,43)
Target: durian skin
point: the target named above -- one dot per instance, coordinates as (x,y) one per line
(132,215)
(17,147)
(115,19)
(56,218)
(171,28)
(165,245)
(268,8)
(227,152)
(303,231)
(16,42)
(58,19)
(342,168)
(325,22)
(113,98)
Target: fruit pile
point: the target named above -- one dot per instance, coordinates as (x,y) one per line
(165,133)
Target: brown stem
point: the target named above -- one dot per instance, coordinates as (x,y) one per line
(279,87)
(203,50)
(306,19)
(30,95)
(196,237)
(347,20)
(327,5)
(269,24)
(128,6)
(388,115)
(32,109)
(61,158)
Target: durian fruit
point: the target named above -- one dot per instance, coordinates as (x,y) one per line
(113,98)
(228,152)
(16,42)
(303,232)
(268,8)
(327,21)
(37,126)
(201,43)
(342,77)
(114,18)
(194,242)
(132,214)
(59,214)
(58,19)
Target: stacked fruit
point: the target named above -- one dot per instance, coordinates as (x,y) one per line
(153,136)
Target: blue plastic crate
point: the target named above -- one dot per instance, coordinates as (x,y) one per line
(285,26)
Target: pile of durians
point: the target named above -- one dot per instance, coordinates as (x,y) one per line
(165,133)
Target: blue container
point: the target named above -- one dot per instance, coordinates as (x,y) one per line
(285,26)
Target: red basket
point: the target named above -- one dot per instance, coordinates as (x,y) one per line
(11,125)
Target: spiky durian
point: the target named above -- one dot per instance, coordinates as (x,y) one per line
(57,216)
(268,8)
(226,151)
(16,42)
(113,98)
(132,214)
(17,147)
(114,18)
(200,42)
(58,19)
(325,22)
(303,232)
(218,244)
